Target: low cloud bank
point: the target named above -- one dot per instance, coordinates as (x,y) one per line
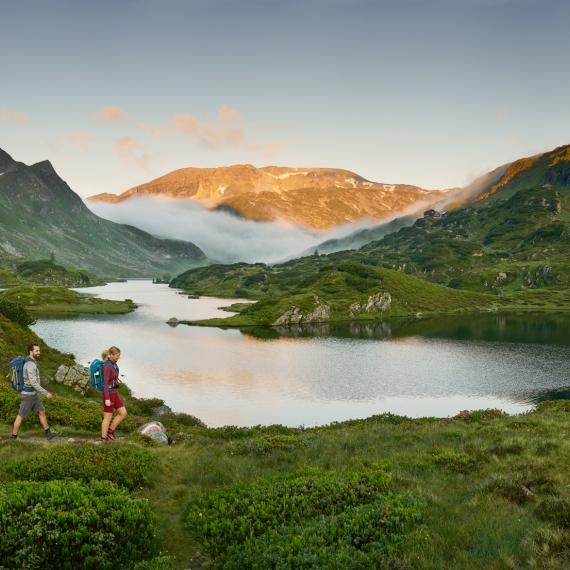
(222,236)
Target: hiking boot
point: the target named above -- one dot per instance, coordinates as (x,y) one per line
(50,434)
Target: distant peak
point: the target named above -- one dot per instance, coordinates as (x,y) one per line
(5,159)
(104,197)
(44,166)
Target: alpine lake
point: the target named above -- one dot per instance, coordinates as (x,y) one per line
(324,373)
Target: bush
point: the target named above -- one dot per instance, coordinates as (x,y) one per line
(481,416)
(16,312)
(63,411)
(241,512)
(265,445)
(126,466)
(69,525)
(236,432)
(359,538)
(159,563)
(522,485)
(453,461)
(555,510)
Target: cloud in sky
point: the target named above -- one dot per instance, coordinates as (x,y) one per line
(149,129)
(132,152)
(79,139)
(226,113)
(227,129)
(111,115)
(15,116)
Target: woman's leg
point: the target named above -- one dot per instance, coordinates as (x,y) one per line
(105,424)
(121,415)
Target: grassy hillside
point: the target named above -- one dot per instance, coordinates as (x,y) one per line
(14,271)
(506,243)
(348,283)
(62,301)
(482,490)
(40,214)
(14,340)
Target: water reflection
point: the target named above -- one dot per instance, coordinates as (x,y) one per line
(534,328)
(323,373)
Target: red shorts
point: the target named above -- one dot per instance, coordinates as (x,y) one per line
(116,402)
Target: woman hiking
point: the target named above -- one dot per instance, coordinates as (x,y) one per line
(111,399)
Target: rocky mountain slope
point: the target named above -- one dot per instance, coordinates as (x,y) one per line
(317,198)
(40,215)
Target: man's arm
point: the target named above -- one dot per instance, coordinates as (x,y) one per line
(32,375)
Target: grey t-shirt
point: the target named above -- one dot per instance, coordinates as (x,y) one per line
(32,378)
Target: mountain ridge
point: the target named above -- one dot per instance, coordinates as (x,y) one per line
(40,215)
(318,198)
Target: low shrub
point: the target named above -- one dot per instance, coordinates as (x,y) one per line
(360,538)
(548,548)
(178,420)
(387,418)
(68,525)
(63,411)
(159,563)
(453,461)
(145,406)
(481,416)
(236,432)
(503,449)
(522,485)
(265,445)
(124,465)
(555,510)
(241,512)
(16,312)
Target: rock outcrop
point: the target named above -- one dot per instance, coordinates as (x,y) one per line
(76,377)
(377,303)
(295,316)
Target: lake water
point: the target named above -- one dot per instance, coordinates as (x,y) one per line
(317,375)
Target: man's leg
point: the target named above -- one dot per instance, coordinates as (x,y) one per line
(43,419)
(25,409)
(105,424)
(17,424)
(121,415)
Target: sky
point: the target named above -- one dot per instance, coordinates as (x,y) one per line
(433,93)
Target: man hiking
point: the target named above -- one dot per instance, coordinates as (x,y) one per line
(31,401)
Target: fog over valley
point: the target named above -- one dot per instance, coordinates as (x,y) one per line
(222,236)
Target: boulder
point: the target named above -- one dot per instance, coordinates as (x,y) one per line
(154,430)
(76,377)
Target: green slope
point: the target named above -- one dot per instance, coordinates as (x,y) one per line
(14,271)
(41,215)
(506,243)
(336,289)
(62,301)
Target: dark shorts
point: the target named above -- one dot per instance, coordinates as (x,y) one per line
(116,402)
(30,403)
